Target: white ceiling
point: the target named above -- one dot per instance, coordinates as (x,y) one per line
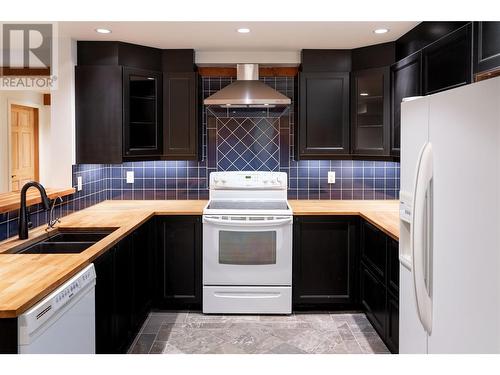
(222,36)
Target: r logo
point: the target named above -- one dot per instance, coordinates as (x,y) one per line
(27,45)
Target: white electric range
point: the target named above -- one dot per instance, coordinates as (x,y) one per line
(247,244)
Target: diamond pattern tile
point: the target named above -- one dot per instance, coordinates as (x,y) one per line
(245,143)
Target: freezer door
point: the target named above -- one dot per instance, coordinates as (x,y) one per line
(414,135)
(464,130)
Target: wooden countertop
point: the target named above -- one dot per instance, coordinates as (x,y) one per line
(27,278)
(11,201)
(384,214)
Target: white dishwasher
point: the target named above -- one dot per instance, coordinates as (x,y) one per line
(64,321)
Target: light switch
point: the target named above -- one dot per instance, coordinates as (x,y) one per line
(130,177)
(331,177)
(79,183)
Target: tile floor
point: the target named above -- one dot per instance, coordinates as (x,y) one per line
(308,333)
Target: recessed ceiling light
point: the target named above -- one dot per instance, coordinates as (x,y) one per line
(103,31)
(382,30)
(243,30)
(363,94)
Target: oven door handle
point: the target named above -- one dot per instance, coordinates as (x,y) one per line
(248,223)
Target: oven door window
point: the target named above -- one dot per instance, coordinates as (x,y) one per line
(247,248)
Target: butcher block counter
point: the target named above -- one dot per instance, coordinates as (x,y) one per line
(27,278)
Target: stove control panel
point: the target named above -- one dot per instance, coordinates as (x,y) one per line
(253,180)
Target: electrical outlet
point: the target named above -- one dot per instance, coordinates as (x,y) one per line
(331,177)
(79,183)
(130,177)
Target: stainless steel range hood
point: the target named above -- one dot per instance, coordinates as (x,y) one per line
(247,91)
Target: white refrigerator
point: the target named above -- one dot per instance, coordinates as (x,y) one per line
(449,247)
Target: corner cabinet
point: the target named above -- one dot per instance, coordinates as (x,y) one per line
(324,261)
(405,82)
(322,130)
(486,46)
(182,135)
(370,106)
(130,107)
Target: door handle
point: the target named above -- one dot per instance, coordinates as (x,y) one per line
(421,236)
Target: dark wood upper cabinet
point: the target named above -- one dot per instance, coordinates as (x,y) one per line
(447,63)
(142,101)
(486,46)
(324,261)
(181,118)
(323,115)
(99,114)
(135,103)
(370,105)
(405,82)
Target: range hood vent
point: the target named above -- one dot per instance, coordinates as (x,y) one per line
(247,91)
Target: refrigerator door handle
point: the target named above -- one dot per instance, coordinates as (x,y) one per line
(420,236)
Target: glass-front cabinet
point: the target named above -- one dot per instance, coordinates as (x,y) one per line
(142,123)
(370,108)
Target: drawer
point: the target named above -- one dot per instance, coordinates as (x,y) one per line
(247,300)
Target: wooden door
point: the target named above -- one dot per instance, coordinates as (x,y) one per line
(24,145)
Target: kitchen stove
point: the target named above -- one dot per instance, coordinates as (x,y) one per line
(247,244)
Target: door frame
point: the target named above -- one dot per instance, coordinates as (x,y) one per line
(23,103)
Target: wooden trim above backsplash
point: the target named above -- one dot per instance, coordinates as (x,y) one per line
(486,75)
(224,71)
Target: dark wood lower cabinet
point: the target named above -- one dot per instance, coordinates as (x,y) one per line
(373,299)
(123,288)
(324,261)
(379,291)
(392,331)
(179,257)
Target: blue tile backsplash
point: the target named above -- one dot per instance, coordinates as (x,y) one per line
(233,139)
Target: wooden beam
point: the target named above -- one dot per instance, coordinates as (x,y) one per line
(24,72)
(222,71)
(46,99)
(486,75)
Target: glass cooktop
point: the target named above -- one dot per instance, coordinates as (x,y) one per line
(248,205)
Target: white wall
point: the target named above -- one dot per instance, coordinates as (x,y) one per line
(56,128)
(62,135)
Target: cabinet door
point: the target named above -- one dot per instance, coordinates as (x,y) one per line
(392,334)
(373,299)
(142,252)
(405,83)
(323,121)
(99,115)
(373,249)
(123,292)
(393,266)
(370,107)
(179,261)
(142,122)
(181,127)
(447,62)
(104,303)
(324,261)
(486,46)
